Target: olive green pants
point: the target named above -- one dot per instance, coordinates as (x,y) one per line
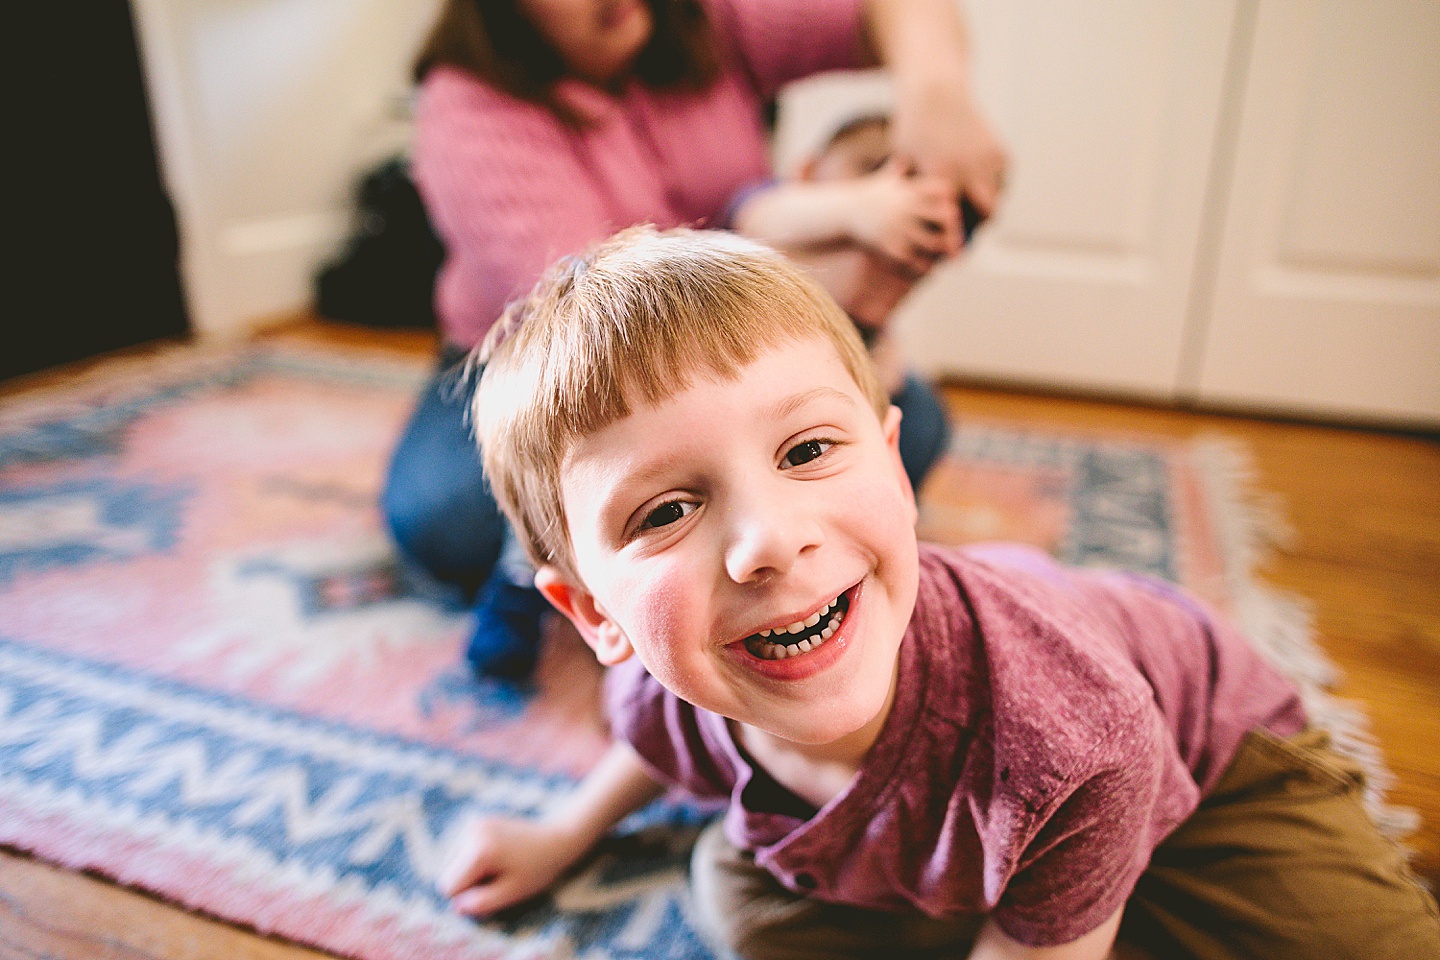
(1280,861)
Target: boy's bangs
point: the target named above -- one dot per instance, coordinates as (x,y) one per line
(644,349)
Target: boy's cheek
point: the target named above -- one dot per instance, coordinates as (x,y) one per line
(891,514)
(658,609)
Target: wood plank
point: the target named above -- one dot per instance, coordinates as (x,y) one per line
(47,912)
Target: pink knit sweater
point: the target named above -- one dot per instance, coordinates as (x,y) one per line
(510,188)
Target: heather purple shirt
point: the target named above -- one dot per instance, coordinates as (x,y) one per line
(510,188)
(1051,727)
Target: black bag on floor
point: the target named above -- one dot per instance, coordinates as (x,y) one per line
(385,275)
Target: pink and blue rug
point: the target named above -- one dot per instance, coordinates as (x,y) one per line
(217,682)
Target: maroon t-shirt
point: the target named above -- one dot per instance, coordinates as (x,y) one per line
(1051,727)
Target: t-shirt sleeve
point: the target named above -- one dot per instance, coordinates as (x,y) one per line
(780,41)
(741,197)
(666,732)
(1085,859)
(504,187)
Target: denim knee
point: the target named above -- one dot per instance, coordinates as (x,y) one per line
(924,428)
(455,534)
(436,501)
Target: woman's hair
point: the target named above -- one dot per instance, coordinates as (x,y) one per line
(497,43)
(635,320)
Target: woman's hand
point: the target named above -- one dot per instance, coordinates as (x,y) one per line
(502,861)
(941,130)
(937,125)
(913,220)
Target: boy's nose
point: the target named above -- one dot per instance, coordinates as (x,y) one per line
(767,537)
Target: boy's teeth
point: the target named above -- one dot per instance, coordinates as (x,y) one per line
(767,650)
(800,625)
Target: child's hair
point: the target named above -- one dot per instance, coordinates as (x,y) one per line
(856,123)
(633,321)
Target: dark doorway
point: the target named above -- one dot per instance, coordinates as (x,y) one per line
(97,267)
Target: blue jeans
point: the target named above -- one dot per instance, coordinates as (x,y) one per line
(924,428)
(436,500)
(443,516)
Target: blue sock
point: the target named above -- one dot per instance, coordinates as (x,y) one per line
(505,641)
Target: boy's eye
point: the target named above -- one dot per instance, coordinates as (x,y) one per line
(805,452)
(666,514)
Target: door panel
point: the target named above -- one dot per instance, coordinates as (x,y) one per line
(1327,295)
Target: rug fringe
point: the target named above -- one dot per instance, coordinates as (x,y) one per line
(1251,524)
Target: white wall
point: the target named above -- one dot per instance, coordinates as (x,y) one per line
(265,112)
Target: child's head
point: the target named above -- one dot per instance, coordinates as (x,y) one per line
(688,435)
(858,147)
(634,320)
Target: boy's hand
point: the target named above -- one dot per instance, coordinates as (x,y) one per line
(913,220)
(502,861)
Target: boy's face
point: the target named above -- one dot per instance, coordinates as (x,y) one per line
(743,506)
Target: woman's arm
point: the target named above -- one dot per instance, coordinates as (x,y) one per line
(937,125)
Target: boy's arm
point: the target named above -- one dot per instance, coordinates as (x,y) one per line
(502,861)
(994,944)
(797,214)
(910,220)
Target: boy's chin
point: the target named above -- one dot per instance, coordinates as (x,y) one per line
(834,731)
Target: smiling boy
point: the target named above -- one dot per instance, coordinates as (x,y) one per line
(926,751)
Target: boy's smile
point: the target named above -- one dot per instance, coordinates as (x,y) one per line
(801,635)
(753,541)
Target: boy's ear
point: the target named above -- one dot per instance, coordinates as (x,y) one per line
(601,633)
(891,426)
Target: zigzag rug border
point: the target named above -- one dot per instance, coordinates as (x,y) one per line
(181,856)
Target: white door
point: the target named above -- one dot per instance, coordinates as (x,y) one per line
(1327,295)
(1085,279)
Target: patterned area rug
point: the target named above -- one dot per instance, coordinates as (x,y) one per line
(218,683)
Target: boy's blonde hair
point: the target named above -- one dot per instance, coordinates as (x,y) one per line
(633,321)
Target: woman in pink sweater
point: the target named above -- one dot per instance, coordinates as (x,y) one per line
(546,125)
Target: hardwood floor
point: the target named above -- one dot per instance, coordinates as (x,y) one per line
(1365,508)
